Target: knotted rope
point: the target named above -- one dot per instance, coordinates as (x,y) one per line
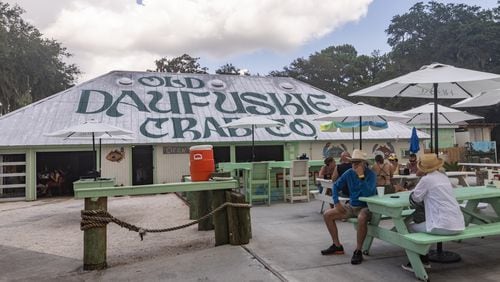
(100,218)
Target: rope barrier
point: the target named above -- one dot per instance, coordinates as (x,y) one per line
(100,218)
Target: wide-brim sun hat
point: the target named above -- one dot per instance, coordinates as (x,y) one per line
(357,156)
(429,163)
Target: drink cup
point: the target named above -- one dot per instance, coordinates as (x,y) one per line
(380,191)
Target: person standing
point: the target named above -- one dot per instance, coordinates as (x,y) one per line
(412,164)
(361,182)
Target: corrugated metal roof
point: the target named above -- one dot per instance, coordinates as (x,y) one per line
(182,108)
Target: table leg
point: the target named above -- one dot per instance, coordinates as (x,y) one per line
(417,265)
(284,185)
(367,243)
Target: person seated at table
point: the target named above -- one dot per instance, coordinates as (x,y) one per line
(393,160)
(383,170)
(436,209)
(361,182)
(326,171)
(412,168)
(345,165)
(412,163)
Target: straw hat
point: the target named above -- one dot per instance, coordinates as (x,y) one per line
(358,155)
(429,163)
(392,157)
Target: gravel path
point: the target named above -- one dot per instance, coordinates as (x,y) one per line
(52,226)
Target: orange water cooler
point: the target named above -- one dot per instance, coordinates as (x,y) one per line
(201,162)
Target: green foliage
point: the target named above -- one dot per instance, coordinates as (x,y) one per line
(181,64)
(231,70)
(457,34)
(451,166)
(31,67)
(337,69)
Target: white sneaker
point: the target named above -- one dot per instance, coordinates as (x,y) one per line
(408,267)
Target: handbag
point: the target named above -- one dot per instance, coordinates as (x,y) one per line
(419,213)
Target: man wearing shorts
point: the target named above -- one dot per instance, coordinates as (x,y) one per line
(362,183)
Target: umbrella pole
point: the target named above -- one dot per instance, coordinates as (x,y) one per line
(93,157)
(436,146)
(253,143)
(100,151)
(432,140)
(360,134)
(439,255)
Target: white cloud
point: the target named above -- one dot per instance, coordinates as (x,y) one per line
(119,34)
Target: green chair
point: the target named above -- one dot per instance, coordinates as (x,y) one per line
(259,175)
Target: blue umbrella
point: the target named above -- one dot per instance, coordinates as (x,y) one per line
(414,143)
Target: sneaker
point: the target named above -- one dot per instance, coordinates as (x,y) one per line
(408,267)
(357,257)
(333,250)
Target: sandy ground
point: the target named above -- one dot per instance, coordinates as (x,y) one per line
(44,227)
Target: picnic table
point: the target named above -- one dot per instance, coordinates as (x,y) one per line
(416,244)
(247,166)
(460,175)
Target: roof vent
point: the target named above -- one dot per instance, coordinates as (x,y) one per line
(125,81)
(287,86)
(217,83)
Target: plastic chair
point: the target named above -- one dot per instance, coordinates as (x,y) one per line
(299,173)
(259,175)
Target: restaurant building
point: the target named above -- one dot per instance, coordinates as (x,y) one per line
(168,113)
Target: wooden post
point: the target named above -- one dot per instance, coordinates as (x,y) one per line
(193,207)
(220,218)
(94,240)
(238,220)
(203,199)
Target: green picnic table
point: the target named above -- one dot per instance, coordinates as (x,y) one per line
(419,243)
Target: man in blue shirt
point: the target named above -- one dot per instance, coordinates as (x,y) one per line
(362,183)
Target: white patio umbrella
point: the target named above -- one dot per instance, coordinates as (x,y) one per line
(424,115)
(360,113)
(434,81)
(90,129)
(253,122)
(485,98)
(105,137)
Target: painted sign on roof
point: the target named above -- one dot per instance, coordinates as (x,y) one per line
(182,108)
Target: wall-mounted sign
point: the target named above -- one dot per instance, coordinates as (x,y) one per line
(175,150)
(115,155)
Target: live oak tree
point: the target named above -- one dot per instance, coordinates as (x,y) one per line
(232,70)
(181,64)
(31,67)
(456,34)
(337,69)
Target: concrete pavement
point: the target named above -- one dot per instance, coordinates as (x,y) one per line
(286,244)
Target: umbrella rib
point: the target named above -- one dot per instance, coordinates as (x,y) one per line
(406,87)
(441,114)
(463,89)
(414,117)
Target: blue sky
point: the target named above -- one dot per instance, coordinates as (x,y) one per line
(366,35)
(258,35)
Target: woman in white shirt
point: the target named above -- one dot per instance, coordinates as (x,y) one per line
(442,212)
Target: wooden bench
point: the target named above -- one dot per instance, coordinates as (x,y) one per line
(472,231)
(416,244)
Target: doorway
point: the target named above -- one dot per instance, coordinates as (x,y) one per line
(56,171)
(142,165)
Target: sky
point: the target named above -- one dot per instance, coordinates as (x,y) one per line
(257,35)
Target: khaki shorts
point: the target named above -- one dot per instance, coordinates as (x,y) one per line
(351,211)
